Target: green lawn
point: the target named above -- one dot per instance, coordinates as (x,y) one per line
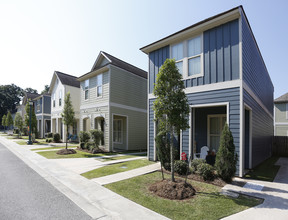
(80,154)
(120,157)
(25,143)
(116,168)
(265,171)
(207,204)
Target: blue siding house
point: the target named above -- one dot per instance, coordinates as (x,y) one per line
(226,81)
(42,108)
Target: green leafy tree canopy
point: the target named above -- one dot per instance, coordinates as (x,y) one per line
(33,118)
(171,102)
(68,114)
(9,119)
(18,122)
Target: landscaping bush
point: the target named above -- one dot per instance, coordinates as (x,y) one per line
(181,167)
(195,163)
(56,138)
(226,158)
(15,131)
(49,140)
(96,136)
(84,136)
(206,171)
(50,135)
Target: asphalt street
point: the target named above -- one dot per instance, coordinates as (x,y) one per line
(26,195)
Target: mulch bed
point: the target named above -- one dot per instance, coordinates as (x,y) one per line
(66,151)
(177,190)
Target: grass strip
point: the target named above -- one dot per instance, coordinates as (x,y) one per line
(266,171)
(120,157)
(79,154)
(54,148)
(207,204)
(116,168)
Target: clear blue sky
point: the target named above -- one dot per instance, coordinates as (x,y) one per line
(39,37)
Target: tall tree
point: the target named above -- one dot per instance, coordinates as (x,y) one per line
(10,97)
(9,120)
(68,114)
(46,89)
(171,102)
(4,121)
(30,90)
(33,118)
(18,122)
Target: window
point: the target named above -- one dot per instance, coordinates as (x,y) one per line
(287,111)
(117,130)
(54,99)
(99,85)
(188,56)
(38,105)
(177,54)
(215,126)
(60,97)
(86,89)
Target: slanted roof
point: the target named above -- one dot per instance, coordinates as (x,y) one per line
(29,96)
(282,98)
(116,62)
(68,80)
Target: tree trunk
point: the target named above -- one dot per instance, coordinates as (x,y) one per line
(172,153)
(67,137)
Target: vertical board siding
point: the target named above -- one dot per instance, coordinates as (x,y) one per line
(255,74)
(262,131)
(151,130)
(156,60)
(47,104)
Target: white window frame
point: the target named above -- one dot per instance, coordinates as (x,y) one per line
(54,100)
(208,126)
(122,131)
(38,105)
(86,88)
(185,59)
(98,86)
(60,98)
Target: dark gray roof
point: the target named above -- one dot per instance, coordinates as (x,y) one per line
(122,64)
(68,79)
(31,95)
(282,98)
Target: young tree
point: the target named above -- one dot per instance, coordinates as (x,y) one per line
(172,102)
(18,122)
(46,89)
(226,158)
(4,121)
(9,120)
(68,114)
(33,118)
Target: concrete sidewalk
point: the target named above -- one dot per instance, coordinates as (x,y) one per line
(275,205)
(94,199)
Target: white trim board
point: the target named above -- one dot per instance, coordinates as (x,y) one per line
(97,105)
(113,104)
(209,87)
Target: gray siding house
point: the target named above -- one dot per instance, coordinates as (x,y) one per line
(114,99)
(42,108)
(281,116)
(226,81)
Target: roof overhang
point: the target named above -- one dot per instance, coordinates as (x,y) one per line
(93,73)
(195,29)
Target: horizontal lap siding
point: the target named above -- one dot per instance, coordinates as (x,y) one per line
(262,131)
(255,74)
(151,130)
(226,95)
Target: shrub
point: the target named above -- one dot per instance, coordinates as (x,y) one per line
(181,167)
(84,136)
(195,163)
(15,131)
(96,136)
(226,158)
(50,135)
(206,171)
(56,138)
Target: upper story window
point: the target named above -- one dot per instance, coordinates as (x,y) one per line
(188,56)
(178,55)
(54,99)
(60,97)
(99,85)
(38,105)
(86,89)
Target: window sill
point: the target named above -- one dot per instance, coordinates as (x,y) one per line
(194,76)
